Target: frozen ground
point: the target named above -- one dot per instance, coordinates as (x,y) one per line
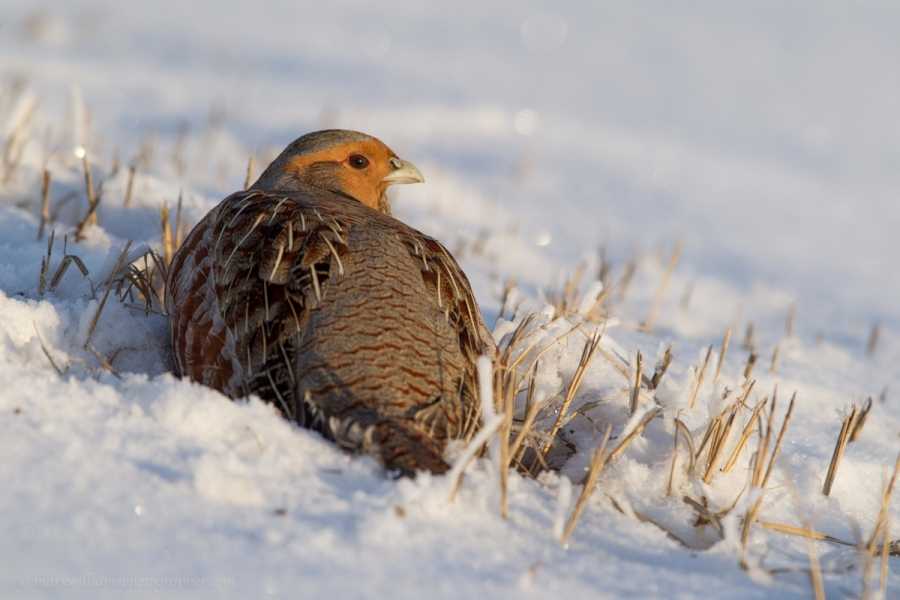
(763,138)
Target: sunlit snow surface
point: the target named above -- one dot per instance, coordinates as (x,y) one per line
(763,137)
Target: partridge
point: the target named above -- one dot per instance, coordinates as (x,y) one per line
(306,292)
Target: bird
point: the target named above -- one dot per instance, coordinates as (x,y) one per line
(305,291)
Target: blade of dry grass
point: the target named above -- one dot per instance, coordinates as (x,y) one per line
(861,418)
(67,260)
(872,343)
(647,324)
(687,295)
(745,436)
(46,351)
(45,203)
(248,176)
(682,430)
(90,217)
(661,368)
(748,367)
(129,186)
(45,265)
(587,355)
(507,392)
(598,462)
(872,548)
(883,512)
(689,440)
(749,343)
(517,446)
(726,339)
(636,389)
(753,511)
(120,263)
(455,475)
(623,444)
(508,286)
(168,242)
(779,439)
(717,445)
(847,426)
(625,280)
(815,571)
(789,320)
(178,224)
(698,383)
(773,364)
(805,532)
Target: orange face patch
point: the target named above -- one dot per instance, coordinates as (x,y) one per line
(357,169)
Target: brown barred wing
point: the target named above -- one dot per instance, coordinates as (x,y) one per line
(273,256)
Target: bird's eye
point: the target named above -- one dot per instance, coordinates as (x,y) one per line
(358,161)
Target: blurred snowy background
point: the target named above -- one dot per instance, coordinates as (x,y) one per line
(763,137)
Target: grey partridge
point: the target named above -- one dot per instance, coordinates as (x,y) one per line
(306,292)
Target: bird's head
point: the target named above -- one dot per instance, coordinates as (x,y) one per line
(337,160)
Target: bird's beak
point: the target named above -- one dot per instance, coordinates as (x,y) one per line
(403,172)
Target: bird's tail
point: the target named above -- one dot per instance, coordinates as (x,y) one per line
(404,448)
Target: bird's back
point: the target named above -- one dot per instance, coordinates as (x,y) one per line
(350,321)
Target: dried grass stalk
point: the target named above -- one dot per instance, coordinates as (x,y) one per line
(711,428)
(773,364)
(604,267)
(506,385)
(45,203)
(120,263)
(647,324)
(789,321)
(47,351)
(745,436)
(749,344)
(689,440)
(682,430)
(815,572)
(626,279)
(587,355)
(726,339)
(638,429)
(598,462)
(882,529)
(699,381)
(90,217)
(874,335)
(885,552)
(748,368)
(805,532)
(518,445)
(883,513)
(168,242)
(67,260)
(129,186)
(487,431)
(179,226)
(45,265)
(661,367)
(753,511)
(847,427)
(636,388)
(508,286)
(719,440)
(249,174)
(687,295)
(861,420)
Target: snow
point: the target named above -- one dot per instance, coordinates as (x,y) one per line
(762,137)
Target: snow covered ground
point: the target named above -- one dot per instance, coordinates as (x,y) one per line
(762,137)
